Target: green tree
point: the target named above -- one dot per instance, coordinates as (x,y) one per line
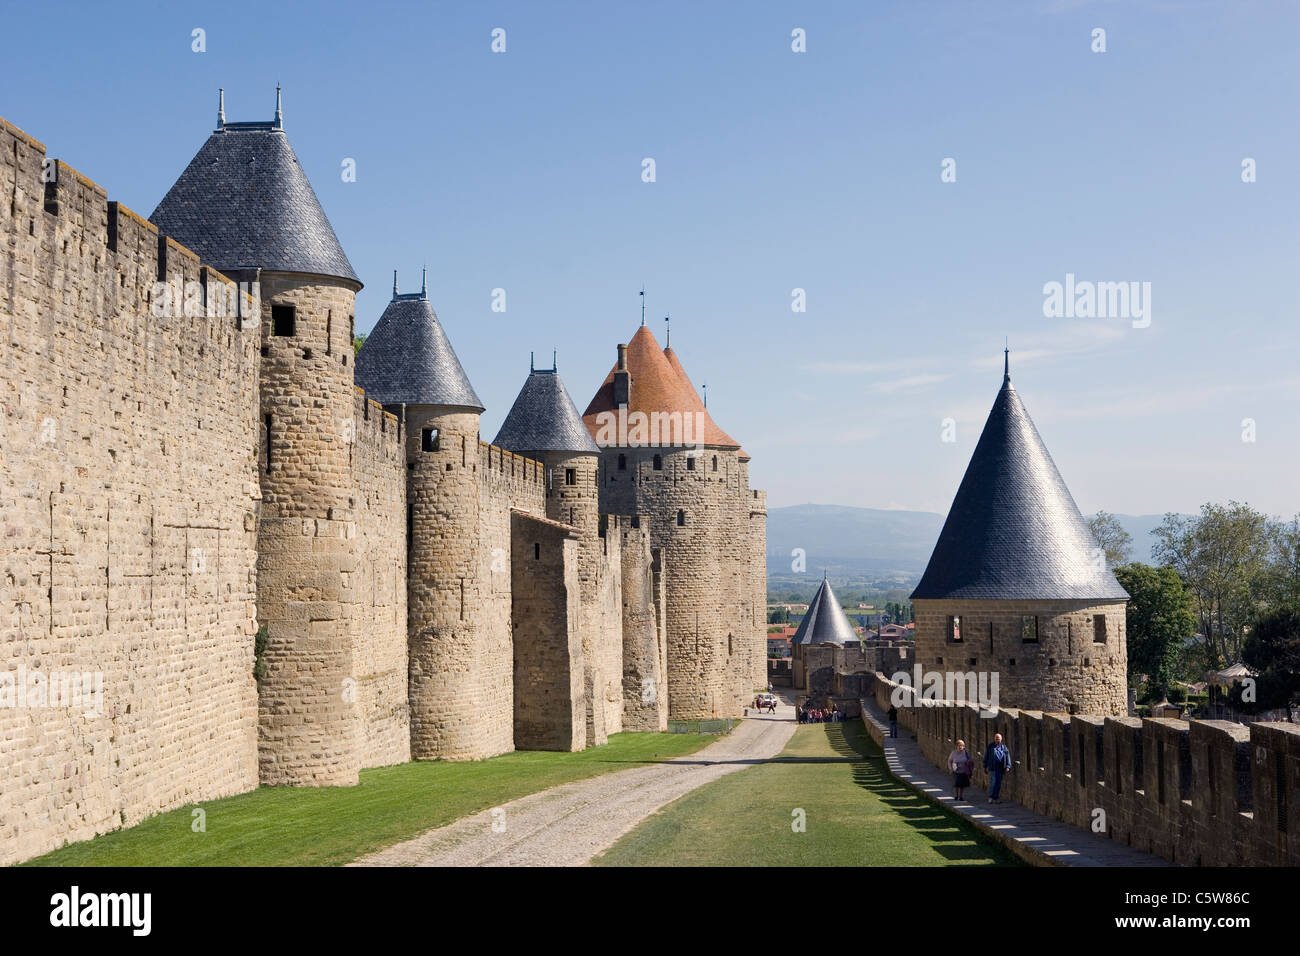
(1222,556)
(1158,620)
(357,342)
(1284,562)
(1111,538)
(1272,649)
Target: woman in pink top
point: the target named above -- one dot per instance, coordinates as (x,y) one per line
(961,764)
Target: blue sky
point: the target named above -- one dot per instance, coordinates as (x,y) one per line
(779,170)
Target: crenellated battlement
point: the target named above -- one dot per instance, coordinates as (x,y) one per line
(71,217)
(502,467)
(189,463)
(130,502)
(377,428)
(1198,792)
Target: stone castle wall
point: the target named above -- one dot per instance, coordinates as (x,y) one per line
(607,625)
(127,503)
(379,471)
(1066,670)
(572,499)
(755,529)
(1200,792)
(174,480)
(550,701)
(645,675)
(506,481)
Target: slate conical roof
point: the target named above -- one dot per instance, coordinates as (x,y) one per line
(544,418)
(657,386)
(1014,532)
(825,622)
(407,359)
(244,202)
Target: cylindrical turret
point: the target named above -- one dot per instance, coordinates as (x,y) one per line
(306,547)
(1017,590)
(459,682)
(666,463)
(447,683)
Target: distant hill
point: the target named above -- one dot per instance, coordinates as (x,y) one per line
(841,538)
(864,541)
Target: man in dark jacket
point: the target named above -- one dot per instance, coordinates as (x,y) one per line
(997,761)
(893,721)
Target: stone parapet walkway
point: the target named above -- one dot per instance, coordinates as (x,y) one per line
(1034,838)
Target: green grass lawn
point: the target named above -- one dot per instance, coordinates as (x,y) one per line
(856,814)
(325,826)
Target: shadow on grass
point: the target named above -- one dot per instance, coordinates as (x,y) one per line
(936,824)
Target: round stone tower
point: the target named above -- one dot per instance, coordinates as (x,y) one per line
(663,459)
(1017,589)
(245,206)
(544,425)
(458,677)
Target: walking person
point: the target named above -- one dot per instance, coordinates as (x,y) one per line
(997,761)
(893,721)
(961,765)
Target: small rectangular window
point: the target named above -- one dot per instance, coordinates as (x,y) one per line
(1099,628)
(681,518)
(570,476)
(954,628)
(429,439)
(1029,628)
(622,462)
(690,464)
(282,320)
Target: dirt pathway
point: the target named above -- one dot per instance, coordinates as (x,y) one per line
(570,824)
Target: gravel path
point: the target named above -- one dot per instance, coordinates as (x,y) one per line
(570,824)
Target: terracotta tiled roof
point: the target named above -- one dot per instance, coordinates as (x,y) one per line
(659,384)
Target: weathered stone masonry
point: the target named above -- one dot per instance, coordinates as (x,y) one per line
(177,474)
(127,502)
(1200,792)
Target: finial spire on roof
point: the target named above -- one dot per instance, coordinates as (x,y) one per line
(1006,366)
(555,364)
(394,283)
(705,387)
(643,304)
(424,280)
(668,337)
(532,366)
(1013,531)
(221,109)
(279,114)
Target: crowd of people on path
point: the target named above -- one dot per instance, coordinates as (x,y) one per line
(997,761)
(815,715)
